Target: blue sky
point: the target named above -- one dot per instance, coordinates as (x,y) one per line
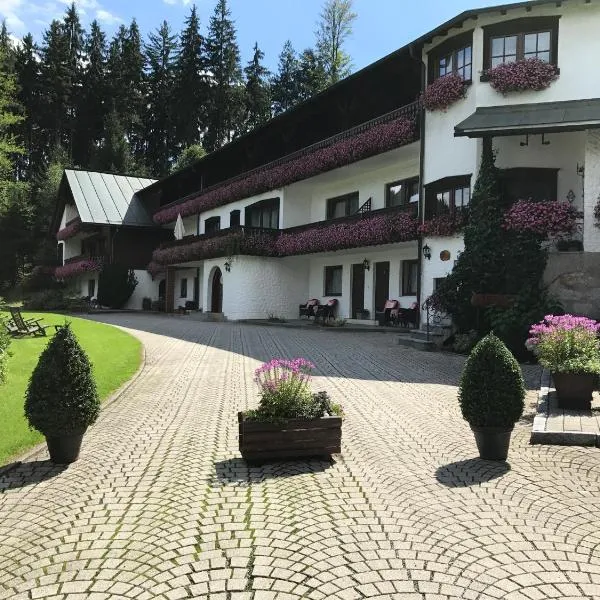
(382,25)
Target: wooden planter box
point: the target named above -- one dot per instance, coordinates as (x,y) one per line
(293,438)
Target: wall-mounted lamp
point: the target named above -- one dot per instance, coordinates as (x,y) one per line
(366,265)
(427,252)
(228,266)
(581,170)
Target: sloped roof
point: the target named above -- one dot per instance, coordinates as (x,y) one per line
(107,199)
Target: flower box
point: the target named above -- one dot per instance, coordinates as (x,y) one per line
(531,74)
(290,438)
(444,92)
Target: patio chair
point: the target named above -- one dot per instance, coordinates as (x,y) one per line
(388,314)
(309,309)
(407,317)
(21,326)
(326,311)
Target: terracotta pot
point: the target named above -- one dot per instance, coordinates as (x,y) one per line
(64,449)
(492,442)
(574,390)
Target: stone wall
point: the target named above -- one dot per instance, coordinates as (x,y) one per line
(574,277)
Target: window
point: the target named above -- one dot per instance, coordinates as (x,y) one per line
(448,196)
(264,214)
(333,281)
(183,288)
(453,56)
(91,288)
(234,218)
(521,39)
(342,206)
(212,225)
(410,277)
(401,193)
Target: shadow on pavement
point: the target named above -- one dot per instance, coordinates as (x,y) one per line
(19,475)
(473,471)
(237,470)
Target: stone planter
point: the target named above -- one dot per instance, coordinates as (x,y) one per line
(292,438)
(492,442)
(574,390)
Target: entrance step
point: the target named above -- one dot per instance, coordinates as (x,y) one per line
(409,341)
(207,317)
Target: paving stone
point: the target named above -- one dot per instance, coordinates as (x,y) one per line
(160,505)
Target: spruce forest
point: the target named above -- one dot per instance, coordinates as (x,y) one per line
(135,106)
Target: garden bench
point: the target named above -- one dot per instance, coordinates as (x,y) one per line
(21,326)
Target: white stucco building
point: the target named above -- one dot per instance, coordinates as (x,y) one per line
(325,200)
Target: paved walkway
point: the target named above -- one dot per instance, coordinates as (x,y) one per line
(160,505)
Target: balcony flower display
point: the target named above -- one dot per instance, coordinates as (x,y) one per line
(444,92)
(236,242)
(443,225)
(522,75)
(569,347)
(379,138)
(72,229)
(544,219)
(369,231)
(78,267)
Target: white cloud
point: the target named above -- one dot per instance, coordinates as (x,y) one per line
(9,10)
(107,17)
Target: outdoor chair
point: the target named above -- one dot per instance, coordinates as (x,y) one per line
(388,314)
(21,326)
(309,309)
(407,317)
(326,311)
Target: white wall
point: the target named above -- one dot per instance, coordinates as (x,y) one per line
(78,286)
(258,287)
(72,246)
(434,268)
(394,253)
(69,214)
(180,274)
(591,233)
(146,288)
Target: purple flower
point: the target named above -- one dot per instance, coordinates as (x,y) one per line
(443,225)
(70,230)
(522,75)
(444,92)
(72,269)
(546,219)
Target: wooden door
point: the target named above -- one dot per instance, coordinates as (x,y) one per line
(358,289)
(382,284)
(217,292)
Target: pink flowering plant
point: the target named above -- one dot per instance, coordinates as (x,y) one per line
(444,225)
(566,344)
(444,92)
(544,219)
(73,269)
(71,230)
(285,392)
(375,140)
(522,75)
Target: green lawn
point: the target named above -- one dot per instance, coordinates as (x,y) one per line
(115,356)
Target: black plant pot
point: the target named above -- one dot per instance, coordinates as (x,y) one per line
(64,449)
(574,390)
(492,442)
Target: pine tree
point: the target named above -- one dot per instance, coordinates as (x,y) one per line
(285,89)
(159,117)
(311,77)
(258,93)
(333,29)
(226,104)
(114,154)
(188,157)
(191,86)
(93,99)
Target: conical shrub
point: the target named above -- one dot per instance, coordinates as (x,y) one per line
(492,390)
(61,397)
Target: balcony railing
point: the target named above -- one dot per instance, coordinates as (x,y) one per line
(377,136)
(385,226)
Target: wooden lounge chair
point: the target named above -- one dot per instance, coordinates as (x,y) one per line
(21,326)
(309,309)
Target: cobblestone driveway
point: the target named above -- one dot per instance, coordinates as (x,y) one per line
(160,505)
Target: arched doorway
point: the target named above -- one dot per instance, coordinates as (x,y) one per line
(216,300)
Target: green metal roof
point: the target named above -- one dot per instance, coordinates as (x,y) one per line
(106,199)
(544,117)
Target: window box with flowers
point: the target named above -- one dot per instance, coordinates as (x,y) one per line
(530,74)
(444,225)
(78,267)
(543,219)
(444,92)
(291,421)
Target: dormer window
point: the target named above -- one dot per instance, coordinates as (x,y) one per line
(521,39)
(453,56)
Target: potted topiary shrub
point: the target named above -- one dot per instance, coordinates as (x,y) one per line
(569,348)
(491,396)
(291,421)
(62,400)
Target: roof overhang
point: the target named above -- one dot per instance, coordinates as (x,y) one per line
(546,117)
